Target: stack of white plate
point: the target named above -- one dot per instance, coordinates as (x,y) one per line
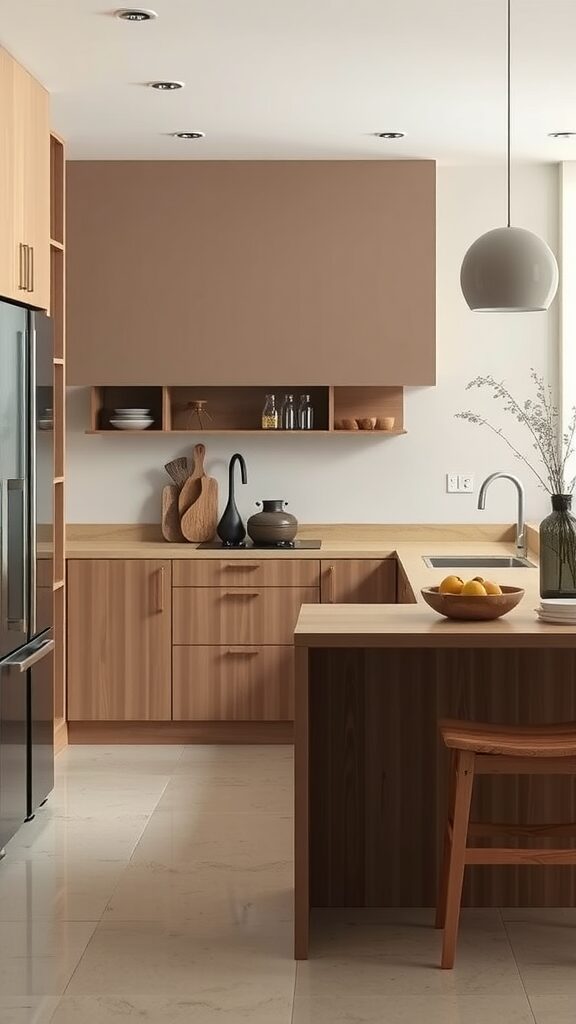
(561,610)
(132,419)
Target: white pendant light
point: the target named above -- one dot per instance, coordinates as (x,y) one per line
(509,270)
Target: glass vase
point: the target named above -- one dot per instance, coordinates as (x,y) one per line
(558,550)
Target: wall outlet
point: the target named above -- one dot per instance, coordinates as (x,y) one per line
(459,483)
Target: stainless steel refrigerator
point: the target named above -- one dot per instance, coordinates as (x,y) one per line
(26,546)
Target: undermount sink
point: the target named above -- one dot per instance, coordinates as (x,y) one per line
(477,562)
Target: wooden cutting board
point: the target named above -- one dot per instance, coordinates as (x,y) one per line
(191,487)
(200,520)
(198,502)
(170,515)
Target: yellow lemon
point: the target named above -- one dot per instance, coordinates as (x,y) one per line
(491,588)
(451,585)
(473,588)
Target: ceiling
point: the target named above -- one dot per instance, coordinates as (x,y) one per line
(302,79)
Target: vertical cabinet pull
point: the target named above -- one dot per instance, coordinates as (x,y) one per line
(330,584)
(31,268)
(21,265)
(160,590)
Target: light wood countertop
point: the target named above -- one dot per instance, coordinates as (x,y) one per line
(346,540)
(417,625)
(403,625)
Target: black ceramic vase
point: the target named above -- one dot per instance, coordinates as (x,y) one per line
(231,529)
(558,550)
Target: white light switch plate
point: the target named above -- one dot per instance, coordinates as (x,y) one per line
(459,483)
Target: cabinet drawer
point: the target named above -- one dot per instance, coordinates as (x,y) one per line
(246,572)
(233,684)
(237,615)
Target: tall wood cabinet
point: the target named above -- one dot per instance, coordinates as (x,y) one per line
(24,186)
(119,640)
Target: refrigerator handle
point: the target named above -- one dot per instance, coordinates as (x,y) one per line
(28,657)
(19,620)
(4,553)
(31,525)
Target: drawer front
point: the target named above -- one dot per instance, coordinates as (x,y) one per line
(246,572)
(238,615)
(233,684)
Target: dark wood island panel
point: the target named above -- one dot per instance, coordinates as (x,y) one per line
(369,761)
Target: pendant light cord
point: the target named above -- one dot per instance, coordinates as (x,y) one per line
(509,119)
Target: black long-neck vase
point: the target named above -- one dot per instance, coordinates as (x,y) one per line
(231,529)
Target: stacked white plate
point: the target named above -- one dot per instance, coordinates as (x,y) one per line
(132,419)
(561,610)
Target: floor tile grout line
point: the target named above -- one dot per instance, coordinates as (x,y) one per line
(294,991)
(507,933)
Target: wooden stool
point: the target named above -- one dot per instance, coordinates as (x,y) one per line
(478,749)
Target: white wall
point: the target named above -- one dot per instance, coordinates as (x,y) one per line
(340,479)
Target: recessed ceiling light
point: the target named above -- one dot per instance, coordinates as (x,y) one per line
(135,14)
(390,135)
(561,135)
(166,86)
(188,135)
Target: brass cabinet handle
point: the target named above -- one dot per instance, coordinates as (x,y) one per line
(242,565)
(244,651)
(21,263)
(31,268)
(330,589)
(241,593)
(160,592)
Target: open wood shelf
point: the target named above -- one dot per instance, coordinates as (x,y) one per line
(238,410)
(57,313)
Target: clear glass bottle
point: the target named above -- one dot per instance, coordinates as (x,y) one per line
(270,414)
(288,418)
(305,413)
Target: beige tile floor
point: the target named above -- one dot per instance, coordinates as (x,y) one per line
(156,887)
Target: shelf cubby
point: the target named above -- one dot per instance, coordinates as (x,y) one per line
(232,409)
(104,400)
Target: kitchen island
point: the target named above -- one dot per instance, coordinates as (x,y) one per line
(370,775)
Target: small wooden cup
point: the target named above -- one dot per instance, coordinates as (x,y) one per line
(386,423)
(367,423)
(349,425)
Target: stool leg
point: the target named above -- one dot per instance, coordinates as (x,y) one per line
(462,800)
(447,847)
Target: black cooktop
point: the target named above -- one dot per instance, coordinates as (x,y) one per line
(248,545)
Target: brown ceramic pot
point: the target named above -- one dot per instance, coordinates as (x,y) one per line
(272,524)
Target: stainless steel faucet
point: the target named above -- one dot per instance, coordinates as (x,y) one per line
(521,541)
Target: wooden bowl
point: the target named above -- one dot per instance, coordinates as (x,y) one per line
(366,423)
(349,424)
(457,606)
(386,423)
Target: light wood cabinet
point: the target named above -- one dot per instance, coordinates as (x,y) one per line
(242,572)
(24,186)
(119,640)
(238,615)
(358,581)
(233,684)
